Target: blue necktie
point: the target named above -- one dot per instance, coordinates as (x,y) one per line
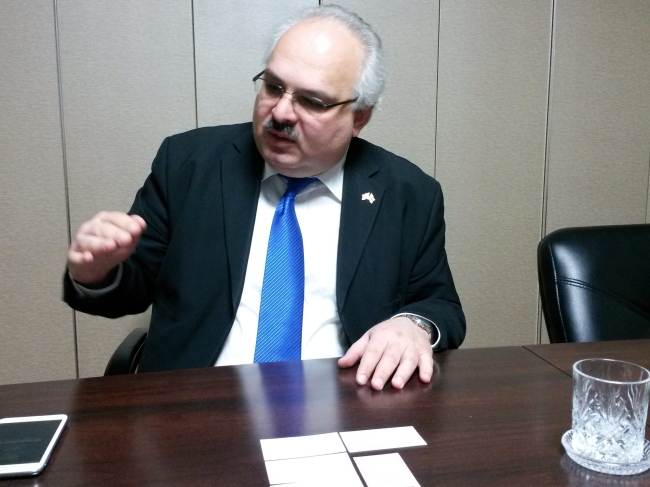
(279,332)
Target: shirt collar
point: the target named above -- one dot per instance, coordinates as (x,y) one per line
(332,178)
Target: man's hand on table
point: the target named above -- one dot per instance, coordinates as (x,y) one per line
(396,345)
(101,243)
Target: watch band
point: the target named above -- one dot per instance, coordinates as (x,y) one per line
(422,324)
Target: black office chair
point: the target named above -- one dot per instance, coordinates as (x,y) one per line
(126,357)
(595,283)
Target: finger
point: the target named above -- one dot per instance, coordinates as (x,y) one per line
(375,350)
(131,224)
(426,367)
(119,235)
(94,244)
(386,365)
(139,221)
(79,257)
(407,365)
(354,353)
(134,225)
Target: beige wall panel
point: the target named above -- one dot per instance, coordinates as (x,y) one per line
(128,81)
(405,120)
(599,129)
(36,328)
(492,99)
(231,37)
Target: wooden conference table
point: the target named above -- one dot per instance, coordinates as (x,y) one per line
(490,417)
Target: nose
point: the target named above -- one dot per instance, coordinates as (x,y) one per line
(284,111)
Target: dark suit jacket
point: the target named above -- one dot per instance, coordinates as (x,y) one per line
(199,203)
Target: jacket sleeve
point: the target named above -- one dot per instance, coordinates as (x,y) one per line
(430,290)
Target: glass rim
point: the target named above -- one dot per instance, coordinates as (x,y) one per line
(609,381)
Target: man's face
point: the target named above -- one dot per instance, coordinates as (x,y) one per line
(316,57)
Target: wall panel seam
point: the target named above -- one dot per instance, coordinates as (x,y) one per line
(65,166)
(435,123)
(196,91)
(647,198)
(547,143)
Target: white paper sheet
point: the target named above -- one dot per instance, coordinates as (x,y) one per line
(326,470)
(301,446)
(381,439)
(385,471)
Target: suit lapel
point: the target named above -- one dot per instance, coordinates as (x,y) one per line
(240,187)
(362,197)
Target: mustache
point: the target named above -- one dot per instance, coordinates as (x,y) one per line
(283,128)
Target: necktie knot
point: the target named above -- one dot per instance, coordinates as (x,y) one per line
(296,185)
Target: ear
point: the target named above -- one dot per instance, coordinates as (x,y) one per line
(361,118)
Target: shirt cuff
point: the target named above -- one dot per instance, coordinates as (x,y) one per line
(95,293)
(433,326)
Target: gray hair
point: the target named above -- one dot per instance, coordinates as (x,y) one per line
(371,83)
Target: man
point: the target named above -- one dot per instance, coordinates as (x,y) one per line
(199,240)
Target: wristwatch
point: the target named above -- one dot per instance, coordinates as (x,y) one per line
(426,326)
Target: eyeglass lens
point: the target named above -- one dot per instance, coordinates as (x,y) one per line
(301,102)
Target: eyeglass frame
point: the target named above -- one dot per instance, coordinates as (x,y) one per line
(324,106)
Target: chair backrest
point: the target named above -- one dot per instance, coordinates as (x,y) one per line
(126,357)
(595,283)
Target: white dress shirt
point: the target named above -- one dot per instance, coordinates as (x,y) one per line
(318,209)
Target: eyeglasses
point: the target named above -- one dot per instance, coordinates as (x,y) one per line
(301,103)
